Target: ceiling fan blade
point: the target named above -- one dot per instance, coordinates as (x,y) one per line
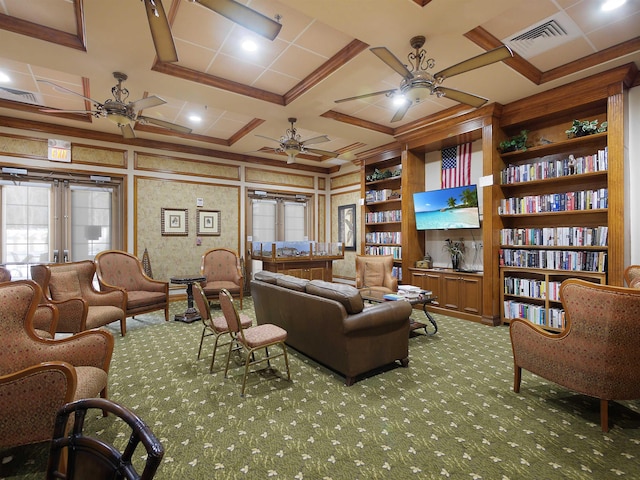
(462,97)
(162,123)
(487,58)
(243,15)
(268,138)
(390,59)
(324,153)
(127,131)
(366,95)
(146,102)
(66,90)
(55,110)
(160,31)
(401,112)
(315,140)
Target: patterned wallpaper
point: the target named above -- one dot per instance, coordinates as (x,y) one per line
(171,255)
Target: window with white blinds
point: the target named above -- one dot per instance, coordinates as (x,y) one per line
(277,219)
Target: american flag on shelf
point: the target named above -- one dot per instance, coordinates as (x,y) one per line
(456,166)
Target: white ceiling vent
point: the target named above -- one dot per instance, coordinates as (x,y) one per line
(20,96)
(545,35)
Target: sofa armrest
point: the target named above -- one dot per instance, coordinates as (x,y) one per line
(380,315)
(91,348)
(46,318)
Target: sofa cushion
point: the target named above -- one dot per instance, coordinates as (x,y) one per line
(64,285)
(292,283)
(347,295)
(268,277)
(373,273)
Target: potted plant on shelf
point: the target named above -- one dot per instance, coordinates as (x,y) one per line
(581,128)
(516,142)
(456,251)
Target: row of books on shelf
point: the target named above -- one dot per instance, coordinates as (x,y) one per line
(380,195)
(585,261)
(383,237)
(556,236)
(377,250)
(553,317)
(555,202)
(532,287)
(384,216)
(598,162)
(396,272)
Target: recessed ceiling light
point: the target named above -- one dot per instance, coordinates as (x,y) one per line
(195,118)
(612,4)
(4,78)
(249,45)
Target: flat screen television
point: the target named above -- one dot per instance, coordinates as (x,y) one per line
(447,208)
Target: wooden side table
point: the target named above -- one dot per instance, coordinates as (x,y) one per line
(191,314)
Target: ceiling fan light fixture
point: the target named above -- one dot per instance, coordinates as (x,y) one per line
(120,119)
(291,158)
(399,100)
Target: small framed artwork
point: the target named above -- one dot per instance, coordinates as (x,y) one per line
(208,222)
(174,221)
(347,226)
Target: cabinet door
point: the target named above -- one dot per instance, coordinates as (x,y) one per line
(317,273)
(432,281)
(449,296)
(295,272)
(470,294)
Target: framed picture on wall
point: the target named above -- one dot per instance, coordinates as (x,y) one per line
(174,221)
(208,222)
(347,226)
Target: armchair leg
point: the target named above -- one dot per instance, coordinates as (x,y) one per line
(123,326)
(517,377)
(166,313)
(604,415)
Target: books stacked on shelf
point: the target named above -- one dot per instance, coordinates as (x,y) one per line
(396,272)
(555,202)
(587,261)
(555,236)
(378,250)
(383,237)
(525,287)
(534,313)
(384,216)
(372,196)
(598,162)
(554,291)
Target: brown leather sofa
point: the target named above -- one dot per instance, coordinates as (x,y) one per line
(329,323)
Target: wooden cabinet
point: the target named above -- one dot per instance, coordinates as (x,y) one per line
(388,184)
(308,269)
(459,294)
(560,202)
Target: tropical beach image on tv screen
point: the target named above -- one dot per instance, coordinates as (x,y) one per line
(447,208)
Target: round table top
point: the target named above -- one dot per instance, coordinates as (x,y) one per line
(186,279)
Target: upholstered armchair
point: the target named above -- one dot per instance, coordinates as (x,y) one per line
(5,274)
(373,272)
(38,376)
(632,276)
(69,286)
(120,270)
(597,354)
(222,269)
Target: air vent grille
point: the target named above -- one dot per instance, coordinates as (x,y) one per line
(543,36)
(20,96)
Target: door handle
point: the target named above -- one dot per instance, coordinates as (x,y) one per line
(56,256)
(65,256)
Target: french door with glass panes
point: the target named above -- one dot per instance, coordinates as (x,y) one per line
(57,218)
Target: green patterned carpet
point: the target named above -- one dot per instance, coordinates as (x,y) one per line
(451,414)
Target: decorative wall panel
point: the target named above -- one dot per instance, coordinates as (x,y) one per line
(161,163)
(256,175)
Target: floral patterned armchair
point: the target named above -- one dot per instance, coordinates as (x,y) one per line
(222,269)
(120,270)
(38,376)
(69,286)
(597,354)
(374,272)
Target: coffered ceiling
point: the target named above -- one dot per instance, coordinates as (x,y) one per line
(320,55)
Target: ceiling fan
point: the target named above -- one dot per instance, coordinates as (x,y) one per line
(291,144)
(234,11)
(123,114)
(417,83)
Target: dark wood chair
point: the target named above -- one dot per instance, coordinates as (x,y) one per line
(76,456)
